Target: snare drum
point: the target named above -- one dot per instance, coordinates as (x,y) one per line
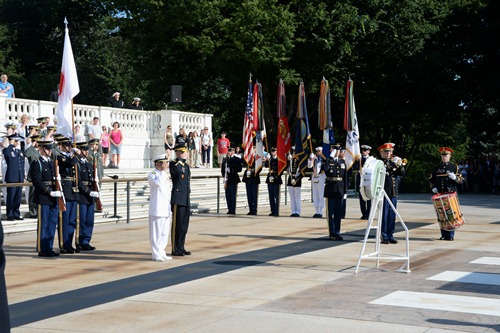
(448,211)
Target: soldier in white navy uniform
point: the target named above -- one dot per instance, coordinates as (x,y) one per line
(318,177)
(294,182)
(160,218)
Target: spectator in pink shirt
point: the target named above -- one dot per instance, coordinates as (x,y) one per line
(105,146)
(116,139)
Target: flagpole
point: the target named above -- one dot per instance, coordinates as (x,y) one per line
(73,123)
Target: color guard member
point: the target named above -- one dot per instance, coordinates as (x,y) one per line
(294,182)
(273,181)
(336,172)
(251,178)
(444,179)
(180,174)
(365,206)
(315,163)
(230,167)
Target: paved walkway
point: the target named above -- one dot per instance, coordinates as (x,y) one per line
(263,274)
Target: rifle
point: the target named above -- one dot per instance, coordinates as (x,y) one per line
(95,184)
(61,202)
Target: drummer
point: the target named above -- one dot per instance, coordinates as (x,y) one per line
(444,179)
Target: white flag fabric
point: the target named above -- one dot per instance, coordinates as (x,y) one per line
(353,152)
(68,88)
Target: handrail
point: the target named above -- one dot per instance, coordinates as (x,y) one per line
(128,180)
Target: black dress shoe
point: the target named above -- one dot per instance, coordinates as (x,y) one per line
(45,254)
(66,251)
(86,247)
(186,252)
(446,238)
(393,241)
(10,219)
(178,254)
(33,216)
(385,241)
(19,218)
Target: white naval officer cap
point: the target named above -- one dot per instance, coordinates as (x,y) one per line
(161,158)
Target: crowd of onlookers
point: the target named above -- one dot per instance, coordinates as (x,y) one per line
(200,146)
(481,175)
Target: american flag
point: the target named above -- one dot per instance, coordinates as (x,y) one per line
(248,127)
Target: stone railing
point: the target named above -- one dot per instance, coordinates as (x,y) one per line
(143,130)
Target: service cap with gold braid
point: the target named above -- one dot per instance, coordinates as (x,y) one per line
(45,144)
(161,158)
(181,147)
(445,150)
(10,125)
(63,141)
(93,141)
(386,147)
(41,120)
(35,137)
(82,145)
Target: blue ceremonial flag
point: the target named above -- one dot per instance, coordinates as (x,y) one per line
(303,144)
(328,139)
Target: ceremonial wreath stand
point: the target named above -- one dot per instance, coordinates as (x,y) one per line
(372,187)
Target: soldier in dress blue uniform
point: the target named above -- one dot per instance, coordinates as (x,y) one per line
(444,179)
(273,181)
(14,159)
(180,173)
(43,176)
(68,172)
(251,178)
(230,167)
(86,202)
(336,172)
(394,170)
(365,206)
(32,154)
(294,182)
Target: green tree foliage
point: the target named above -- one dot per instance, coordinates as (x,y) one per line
(423,75)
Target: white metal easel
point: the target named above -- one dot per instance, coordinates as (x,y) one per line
(375,171)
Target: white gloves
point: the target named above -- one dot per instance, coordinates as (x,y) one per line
(434,190)
(56,194)
(311,156)
(452,176)
(94,194)
(345,196)
(58,177)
